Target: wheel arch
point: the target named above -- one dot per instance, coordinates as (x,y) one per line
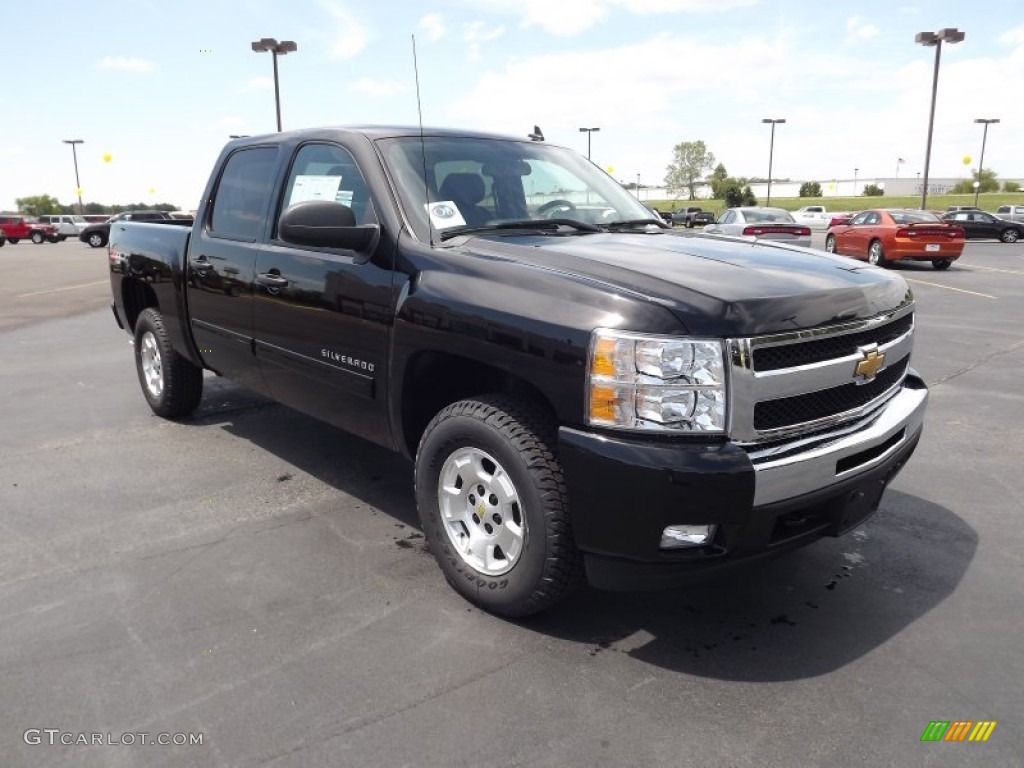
(433,380)
(136,296)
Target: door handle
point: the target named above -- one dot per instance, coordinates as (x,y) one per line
(200,264)
(270,280)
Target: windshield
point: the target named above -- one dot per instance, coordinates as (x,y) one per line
(478,182)
(764,215)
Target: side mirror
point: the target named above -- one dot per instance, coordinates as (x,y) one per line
(326,224)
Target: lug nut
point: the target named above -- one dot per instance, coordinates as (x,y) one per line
(492,500)
(487,527)
(480,490)
(472,499)
(496,518)
(476,519)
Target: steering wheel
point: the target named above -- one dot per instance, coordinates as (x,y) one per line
(552,205)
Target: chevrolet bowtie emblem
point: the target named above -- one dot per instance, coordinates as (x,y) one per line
(869,367)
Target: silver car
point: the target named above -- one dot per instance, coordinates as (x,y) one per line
(763,224)
(1011,212)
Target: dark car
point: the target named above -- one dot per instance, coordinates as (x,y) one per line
(3,238)
(979,225)
(18,226)
(97,235)
(692,216)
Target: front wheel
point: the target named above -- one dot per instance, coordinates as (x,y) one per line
(942,263)
(171,384)
(876,254)
(1010,236)
(494,507)
(13,241)
(96,240)
(38,238)
(830,243)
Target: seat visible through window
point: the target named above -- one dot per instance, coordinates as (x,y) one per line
(466,190)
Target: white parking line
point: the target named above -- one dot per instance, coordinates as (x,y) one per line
(951,288)
(993,269)
(65,288)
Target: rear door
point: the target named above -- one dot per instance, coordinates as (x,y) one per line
(322,315)
(222,262)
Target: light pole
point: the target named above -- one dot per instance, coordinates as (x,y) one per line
(276,49)
(638,186)
(987,121)
(771,151)
(930,39)
(899,161)
(855,181)
(588,131)
(78,185)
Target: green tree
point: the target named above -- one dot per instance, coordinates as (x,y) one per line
(810,189)
(737,195)
(719,181)
(690,161)
(873,190)
(1011,186)
(37,205)
(989,183)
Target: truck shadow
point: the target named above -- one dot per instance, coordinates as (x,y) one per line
(804,614)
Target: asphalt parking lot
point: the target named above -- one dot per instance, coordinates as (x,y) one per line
(257,578)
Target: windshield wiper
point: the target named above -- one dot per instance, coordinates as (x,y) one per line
(615,226)
(536,225)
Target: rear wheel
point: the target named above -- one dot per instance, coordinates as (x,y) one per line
(1010,236)
(96,240)
(493,505)
(171,384)
(37,237)
(13,241)
(942,263)
(876,254)
(830,243)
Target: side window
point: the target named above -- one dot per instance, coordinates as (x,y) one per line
(329,172)
(728,218)
(872,219)
(860,218)
(243,194)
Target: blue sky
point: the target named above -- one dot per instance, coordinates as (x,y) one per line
(158,86)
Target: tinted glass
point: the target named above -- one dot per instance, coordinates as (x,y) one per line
(914,217)
(243,194)
(329,172)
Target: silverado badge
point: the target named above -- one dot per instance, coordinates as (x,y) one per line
(870,365)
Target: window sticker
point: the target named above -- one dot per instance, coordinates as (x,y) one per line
(315,188)
(344,196)
(445,214)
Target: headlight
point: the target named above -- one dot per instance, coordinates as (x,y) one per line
(655,383)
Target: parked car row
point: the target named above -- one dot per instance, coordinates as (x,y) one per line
(885,235)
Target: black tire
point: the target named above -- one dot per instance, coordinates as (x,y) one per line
(181,381)
(689,224)
(13,241)
(53,239)
(3,241)
(96,240)
(1009,235)
(520,436)
(830,243)
(876,254)
(62,238)
(38,238)
(942,263)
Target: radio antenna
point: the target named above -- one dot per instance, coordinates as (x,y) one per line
(423,145)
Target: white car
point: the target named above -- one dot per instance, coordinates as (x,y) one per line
(763,224)
(814,216)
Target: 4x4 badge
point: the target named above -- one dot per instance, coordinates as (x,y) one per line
(869,367)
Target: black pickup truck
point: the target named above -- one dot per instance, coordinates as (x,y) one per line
(583,392)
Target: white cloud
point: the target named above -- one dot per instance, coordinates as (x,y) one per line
(350,36)
(647,7)
(375,87)
(259,84)
(1014,36)
(125,64)
(565,17)
(858,30)
(477,32)
(433,26)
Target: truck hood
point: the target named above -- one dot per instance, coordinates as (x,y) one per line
(716,286)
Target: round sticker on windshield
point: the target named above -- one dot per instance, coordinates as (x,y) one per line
(443,211)
(444,214)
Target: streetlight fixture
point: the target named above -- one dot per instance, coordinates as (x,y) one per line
(771,151)
(638,186)
(78,184)
(934,39)
(855,181)
(588,131)
(899,161)
(276,49)
(986,121)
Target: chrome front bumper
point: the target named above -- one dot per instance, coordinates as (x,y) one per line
(790,470)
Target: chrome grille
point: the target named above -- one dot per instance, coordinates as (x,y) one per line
(792,384)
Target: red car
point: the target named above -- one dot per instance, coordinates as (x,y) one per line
(17,226)
(885,235)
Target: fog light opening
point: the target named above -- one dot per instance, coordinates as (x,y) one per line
(683,536)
